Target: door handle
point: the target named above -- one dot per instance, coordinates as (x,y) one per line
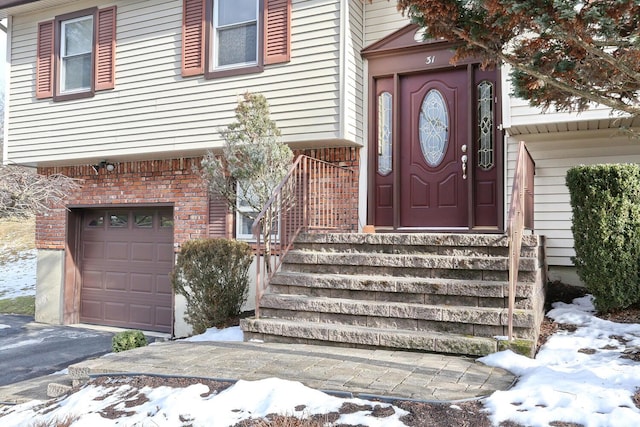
(464,166)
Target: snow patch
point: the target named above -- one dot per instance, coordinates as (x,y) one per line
(214,334)
(18,276)
(577,377)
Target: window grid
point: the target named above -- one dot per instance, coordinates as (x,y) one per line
(81,57)
(235,39)
(433,128)
(485,125)
(385,154)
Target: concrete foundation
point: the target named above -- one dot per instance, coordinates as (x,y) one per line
(49,286)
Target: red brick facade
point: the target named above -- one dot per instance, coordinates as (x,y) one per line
(175,182)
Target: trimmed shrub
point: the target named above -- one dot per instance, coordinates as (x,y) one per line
(605,200)
(213,276)
(127,340)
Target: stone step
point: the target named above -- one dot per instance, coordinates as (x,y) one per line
(481,321)
(483,245)
(403,241)
(300,331)
(371,286)
(410,261)
(486,275)
(59,388)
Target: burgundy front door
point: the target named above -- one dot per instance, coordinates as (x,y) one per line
(435,143)
(433,149)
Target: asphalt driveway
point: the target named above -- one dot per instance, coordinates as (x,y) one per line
(29,349)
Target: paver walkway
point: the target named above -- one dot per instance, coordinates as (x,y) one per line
(397,374)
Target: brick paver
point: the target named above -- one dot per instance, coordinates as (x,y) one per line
(394,374)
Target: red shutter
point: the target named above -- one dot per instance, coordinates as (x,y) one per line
(277,24)
(217,216)
(105,48)
(193,12)
(44,60)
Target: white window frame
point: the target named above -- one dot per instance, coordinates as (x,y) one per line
(216,43)
(63,25)
(239,217)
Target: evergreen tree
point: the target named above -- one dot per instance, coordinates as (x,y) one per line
(564,54)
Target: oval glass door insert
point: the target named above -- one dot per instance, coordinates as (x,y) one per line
(433,128)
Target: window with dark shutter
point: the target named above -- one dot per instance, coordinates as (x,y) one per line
(105,48)
(76,54)
(44,60)
(220,37)
(277,18)
(193,12)
(218,213)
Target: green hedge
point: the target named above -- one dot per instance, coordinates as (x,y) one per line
(605,200)
(128,340)
(212,274)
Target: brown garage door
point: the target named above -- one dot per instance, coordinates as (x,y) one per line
(126,257)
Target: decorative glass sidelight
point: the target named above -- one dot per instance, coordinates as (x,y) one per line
(485,125)
(385,116)
(433,128)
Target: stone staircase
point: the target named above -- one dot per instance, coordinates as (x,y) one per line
(444,293)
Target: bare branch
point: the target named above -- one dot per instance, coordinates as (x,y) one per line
(25,193)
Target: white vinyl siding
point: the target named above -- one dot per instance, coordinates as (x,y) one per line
(153,111)
(382,18)
(354,76)
(521,118)
(554,154)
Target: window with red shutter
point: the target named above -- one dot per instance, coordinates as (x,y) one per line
(193,13)
(105,72)
(44,60)
(76,54)
(230,37)
(218,216)
(277,18)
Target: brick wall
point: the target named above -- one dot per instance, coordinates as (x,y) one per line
(146,182)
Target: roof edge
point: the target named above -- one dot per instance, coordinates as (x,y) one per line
(5,4)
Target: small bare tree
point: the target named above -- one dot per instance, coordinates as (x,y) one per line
(252,164)
(24,193)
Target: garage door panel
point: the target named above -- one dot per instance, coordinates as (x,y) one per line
(92,279)
(142,251)
(125,269)
(93,250)
(117,251)
(116,311)
(142,283)
(164,316)
(141,314)
(116,281)
(165,253)
(163,285)
(91,309)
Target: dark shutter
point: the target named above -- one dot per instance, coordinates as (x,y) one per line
(217,216)
(277,24)
(105,48)
(193,12)
(44,60)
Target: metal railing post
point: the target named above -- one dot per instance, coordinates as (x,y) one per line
(298,196)
(519,217)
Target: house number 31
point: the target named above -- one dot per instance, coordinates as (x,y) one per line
(430,60)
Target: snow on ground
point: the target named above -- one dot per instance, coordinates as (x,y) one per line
(18,275)
(578,377)
(215,334)
(165,406)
